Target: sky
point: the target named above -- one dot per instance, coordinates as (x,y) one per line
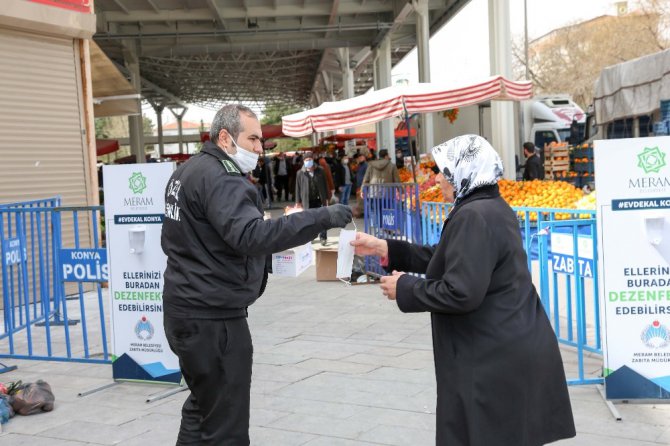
(451,60)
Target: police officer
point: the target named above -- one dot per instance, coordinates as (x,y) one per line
(217,245)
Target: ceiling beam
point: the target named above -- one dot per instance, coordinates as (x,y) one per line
(153,6)
(150,85)
(379,26)
(123,8)
(221,48)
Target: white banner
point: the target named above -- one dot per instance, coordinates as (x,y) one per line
(633,203)
(134,210)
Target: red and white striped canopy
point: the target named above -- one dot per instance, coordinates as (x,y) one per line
(389,102)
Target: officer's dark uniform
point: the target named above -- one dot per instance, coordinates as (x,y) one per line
(217,243)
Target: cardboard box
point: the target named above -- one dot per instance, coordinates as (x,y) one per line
(326,264)
(292,262)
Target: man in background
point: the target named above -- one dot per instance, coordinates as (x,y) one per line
(533,169)
(281,173)
(311,189)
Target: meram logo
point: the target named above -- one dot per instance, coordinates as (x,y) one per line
(137,182)
(651,159)
(144,330)
(655,335)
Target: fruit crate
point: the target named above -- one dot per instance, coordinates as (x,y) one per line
(556,160)
(665,110)
(582,152)
(584,167)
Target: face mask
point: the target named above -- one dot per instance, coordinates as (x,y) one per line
(245,159)
(345,161)
(309,164)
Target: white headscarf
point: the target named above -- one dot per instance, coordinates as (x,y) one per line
(468,162)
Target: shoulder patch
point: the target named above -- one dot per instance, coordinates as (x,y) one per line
(230,167)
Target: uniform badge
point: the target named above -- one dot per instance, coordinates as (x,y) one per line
(230,167)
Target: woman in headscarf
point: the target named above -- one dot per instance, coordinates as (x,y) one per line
(500,378)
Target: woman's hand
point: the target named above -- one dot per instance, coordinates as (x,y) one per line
(368,245)
(389,284)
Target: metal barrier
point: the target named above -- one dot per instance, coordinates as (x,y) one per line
(391,212)
(569,287)
(39,308)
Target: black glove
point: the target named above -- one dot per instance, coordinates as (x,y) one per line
(339,214)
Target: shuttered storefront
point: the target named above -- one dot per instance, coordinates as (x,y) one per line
(42,148)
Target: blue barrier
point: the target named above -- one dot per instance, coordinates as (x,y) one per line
(571,309)
(36,237)
(391,212)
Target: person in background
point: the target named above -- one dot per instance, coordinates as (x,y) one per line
(533,169)
(330,182)
(399,159)
(281,171)
(361,167)
(217,246)
(296,165)
(381,171)
(311,190)
(344,179)
(500,377)
(574,132)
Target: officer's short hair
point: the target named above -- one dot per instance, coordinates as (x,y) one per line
(228,118)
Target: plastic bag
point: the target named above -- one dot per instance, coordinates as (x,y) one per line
(33,398)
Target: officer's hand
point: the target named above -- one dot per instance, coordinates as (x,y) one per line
(340,215)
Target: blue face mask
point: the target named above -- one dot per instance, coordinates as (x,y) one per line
(309,164)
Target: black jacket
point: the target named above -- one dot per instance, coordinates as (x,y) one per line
(216,240)
(500,378)
(533,169)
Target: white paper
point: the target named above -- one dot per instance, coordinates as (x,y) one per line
(345,254)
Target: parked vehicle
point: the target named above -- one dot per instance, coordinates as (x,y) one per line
(631,99)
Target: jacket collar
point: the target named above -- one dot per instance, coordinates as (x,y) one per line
(481,193)
(212,149)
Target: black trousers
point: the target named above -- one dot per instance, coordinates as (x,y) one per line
(215,357)
(323,235)
(281,183)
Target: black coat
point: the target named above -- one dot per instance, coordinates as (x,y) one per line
(500,378)
(217,241)
(533,169)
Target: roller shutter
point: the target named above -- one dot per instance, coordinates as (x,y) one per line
(42,148)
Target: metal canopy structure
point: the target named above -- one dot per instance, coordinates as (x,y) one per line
(209,52)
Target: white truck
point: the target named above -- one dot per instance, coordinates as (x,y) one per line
(541,120)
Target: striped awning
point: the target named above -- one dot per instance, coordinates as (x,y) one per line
(393,101)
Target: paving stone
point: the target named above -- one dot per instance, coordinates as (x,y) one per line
(318,425)
(98,433)
(307,406)
(282,373)
(261,436)
(30,440)
(399,436)
(339,366)
(331,441)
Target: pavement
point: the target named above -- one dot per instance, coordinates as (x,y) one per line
(333,365)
